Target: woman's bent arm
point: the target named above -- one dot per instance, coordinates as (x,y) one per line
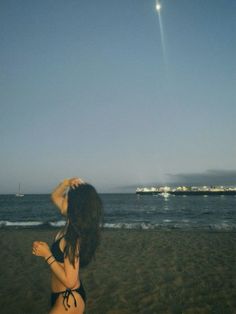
(68,274)
(59,197)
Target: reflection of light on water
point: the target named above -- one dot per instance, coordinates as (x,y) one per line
(165,195)
(166,205)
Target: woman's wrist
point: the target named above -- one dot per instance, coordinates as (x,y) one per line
(48,256)
(65,183)
(51,259)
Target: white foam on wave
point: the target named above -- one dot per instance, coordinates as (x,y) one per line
(118,225)
(6,223)
(123,225)
(166,224)
(20,223)
(223,226)
(60,223)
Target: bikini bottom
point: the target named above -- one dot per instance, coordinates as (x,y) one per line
(66,293)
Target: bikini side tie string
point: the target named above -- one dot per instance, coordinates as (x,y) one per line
(66,295)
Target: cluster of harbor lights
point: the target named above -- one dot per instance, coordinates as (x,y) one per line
(166,191)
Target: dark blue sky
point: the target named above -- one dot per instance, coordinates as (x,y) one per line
(86,91)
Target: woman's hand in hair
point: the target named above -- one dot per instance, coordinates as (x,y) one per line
(59,195)
(74,182)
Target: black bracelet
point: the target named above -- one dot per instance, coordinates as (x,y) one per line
(52,262)
(46,260)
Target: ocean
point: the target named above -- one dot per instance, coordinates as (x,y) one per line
(130,211)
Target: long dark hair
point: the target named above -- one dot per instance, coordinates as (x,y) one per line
(85,216)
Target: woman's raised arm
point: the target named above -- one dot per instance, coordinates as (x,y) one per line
(59,196)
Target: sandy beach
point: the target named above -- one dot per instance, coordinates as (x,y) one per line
(135,271)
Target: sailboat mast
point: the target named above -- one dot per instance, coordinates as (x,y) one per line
(19,194)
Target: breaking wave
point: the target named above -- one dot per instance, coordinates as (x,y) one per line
(164,225)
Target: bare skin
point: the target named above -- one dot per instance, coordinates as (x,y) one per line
(63,275)
(57,285)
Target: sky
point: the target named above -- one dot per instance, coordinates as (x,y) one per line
(91,89)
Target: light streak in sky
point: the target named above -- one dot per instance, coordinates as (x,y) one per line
(158,9)
(158,6)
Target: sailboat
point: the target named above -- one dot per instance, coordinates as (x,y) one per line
(19,194)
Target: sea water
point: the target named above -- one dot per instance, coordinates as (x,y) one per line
(216,213)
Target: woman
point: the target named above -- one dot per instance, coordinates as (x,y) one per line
(74,245)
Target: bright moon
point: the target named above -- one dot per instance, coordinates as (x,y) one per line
(158,7)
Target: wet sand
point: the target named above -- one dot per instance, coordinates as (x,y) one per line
(135,271)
